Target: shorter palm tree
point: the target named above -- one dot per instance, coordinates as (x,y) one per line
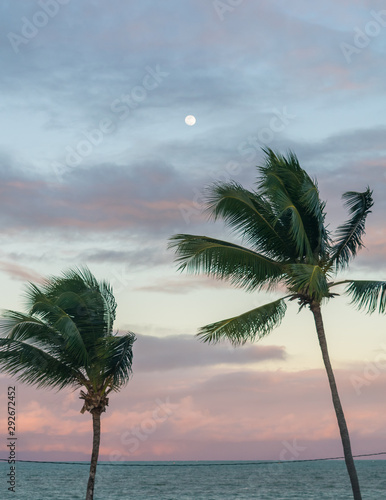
(66,339)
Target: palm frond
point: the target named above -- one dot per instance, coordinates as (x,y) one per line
(300,208)
(308,280)
(253,324)
(23,327)
(66,312)
(103,288)
(284,184)
(117,352)
(289,212)
(32,365)
(314,208)
(249,215)
(66,335)
(78,294)
(110,304)
(368,295)
(349,235)
(282,171)
(59,337)
(242,267)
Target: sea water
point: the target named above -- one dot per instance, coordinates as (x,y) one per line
(326,480)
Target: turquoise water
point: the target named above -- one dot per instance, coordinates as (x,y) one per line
(196,480)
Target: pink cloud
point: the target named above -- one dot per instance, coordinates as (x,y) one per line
(21,273)
(184,284)
(196,415)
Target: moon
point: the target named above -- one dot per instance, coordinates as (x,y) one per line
(190,120)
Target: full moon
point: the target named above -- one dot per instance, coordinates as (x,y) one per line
(190,120)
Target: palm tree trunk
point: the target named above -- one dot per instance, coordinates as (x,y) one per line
(315,308)
(96,427)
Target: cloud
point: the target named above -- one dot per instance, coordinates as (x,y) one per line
(183,285)
(21,273)
(178,351)
(155,197)
(149,201)
(104,199)
(138,258)
(192,415)
(262,409)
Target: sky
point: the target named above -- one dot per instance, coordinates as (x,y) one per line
(99,168)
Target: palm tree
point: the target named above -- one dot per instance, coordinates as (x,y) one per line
(283,225)
(65,339)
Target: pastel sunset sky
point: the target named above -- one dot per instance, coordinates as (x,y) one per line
(98,168)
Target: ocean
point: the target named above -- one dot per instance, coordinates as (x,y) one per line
(324,480)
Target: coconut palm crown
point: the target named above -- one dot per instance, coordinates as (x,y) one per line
(66,339)
(282,224)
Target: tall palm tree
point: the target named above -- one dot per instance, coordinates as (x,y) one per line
(283,225)
(65,339)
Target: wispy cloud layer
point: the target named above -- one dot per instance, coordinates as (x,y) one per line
(155,354)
